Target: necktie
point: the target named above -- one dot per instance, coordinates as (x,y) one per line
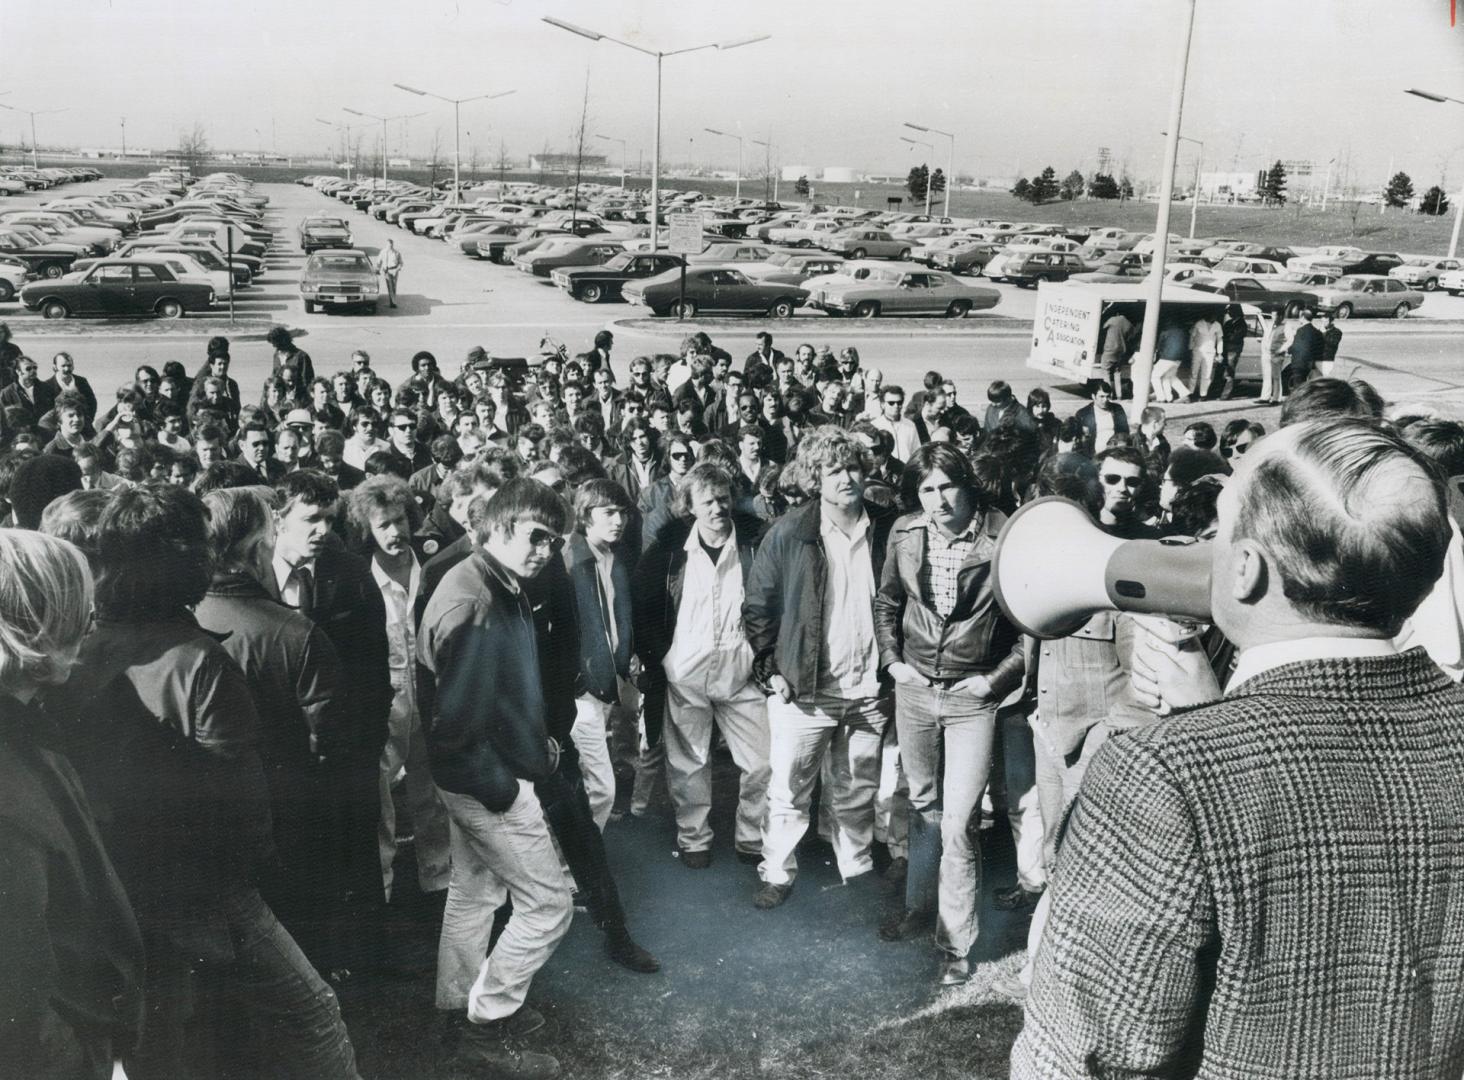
(305,584)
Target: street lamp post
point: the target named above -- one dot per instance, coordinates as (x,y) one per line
(737,194)
(384,121)
(1195,199)
(950,162)
(659,55)
(456,103)
(931,148)
(768,146)
(1429,95)
(345,130)
(611,138)
(33,113)
(1144,358)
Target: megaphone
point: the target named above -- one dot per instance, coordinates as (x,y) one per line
(1055,569)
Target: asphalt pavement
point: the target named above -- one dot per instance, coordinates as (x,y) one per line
(447,303)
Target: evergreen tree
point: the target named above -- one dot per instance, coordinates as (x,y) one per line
(917,182)
(1022,189)
(1102,186)
(1434,201)
(1045,187)
(1399,191)
(1273,191)
(800,186)
(937,182)
(1072,186)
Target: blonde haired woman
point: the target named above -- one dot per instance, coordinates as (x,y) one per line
(73,954)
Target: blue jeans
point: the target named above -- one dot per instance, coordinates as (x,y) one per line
(945,865)
(268,989)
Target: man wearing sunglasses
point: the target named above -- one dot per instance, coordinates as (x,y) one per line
(487,752)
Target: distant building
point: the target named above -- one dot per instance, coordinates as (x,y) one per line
(1228,186)
(561,162)
(839,174)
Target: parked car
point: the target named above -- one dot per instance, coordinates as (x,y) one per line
(1116,270)
(864,243)
(805,233)
(1028,268)
(1368,294)
(714,289)
(1266,293)
(731,251)
(1238,264)
(13,276)
(1452,282)
(42,258)
(323,231)
(118,287)
(1356,262)
(794,267)
(902,290)
(592,284)
(966,258)
(1424,271)
(567,251)
(339,278)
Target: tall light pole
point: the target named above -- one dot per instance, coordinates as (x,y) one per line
(1144,358)
(384,121)
(1429,95)
(611,138)
(737,194)
(768,146)
(33,113)
(931,148)
(950,162)
(124,137)
(1195,200)
(659,55)
(456,103)
(345,131)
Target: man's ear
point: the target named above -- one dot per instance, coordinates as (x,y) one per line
(1252,572)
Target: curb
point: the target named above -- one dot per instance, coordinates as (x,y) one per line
(972,326)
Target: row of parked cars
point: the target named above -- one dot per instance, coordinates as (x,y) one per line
(162,246)
(18,179)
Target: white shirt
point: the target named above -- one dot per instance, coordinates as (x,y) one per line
(287,586)
(356,452)
(1205,339)
(1102,428)
(848,655)
(1438,624)
(907,438)
(709,648)
(605,571)
(400,636)
(1260,659)
(645,471)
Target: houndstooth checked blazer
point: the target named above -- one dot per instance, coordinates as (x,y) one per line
(1271,887)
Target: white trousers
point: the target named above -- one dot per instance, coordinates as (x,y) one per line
(590,734)
(495,857)
(743,718)
(851,732)
(407,748)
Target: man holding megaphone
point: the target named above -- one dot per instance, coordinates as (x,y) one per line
(1265,884)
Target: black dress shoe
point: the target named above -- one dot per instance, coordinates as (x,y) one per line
(750,858)
(769,896)
(696,860)
(905,925)
(897,870)
(621,948)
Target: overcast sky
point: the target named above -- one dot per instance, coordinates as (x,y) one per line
(1022,83)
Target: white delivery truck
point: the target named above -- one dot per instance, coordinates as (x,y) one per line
(1067,326)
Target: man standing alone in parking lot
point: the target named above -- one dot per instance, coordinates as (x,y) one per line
(390,265)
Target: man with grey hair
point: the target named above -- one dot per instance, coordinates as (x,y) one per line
(1262,885)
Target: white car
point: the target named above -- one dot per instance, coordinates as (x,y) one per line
(1452,282)
(1424,272)
(187,268)
(805,234)
(12,277)
(1324,256)
(1237,264)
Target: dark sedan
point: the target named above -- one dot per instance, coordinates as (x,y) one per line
(595,283)
(1284,296)
(714,289)
(117,287)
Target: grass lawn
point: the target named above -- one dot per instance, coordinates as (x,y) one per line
(805,992)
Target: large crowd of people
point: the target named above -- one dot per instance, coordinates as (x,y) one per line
(239,634)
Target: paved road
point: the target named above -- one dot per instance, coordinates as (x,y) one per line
(448,303)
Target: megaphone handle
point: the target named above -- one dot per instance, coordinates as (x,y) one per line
(1160,578)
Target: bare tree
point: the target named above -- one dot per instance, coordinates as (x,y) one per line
(435,161)
(502,162)
(193,148)
(579,149)
(472,161)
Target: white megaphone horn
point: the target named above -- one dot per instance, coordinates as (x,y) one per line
(1054,569)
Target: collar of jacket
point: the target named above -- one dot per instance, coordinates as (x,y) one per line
(497,573)
(808,520)
(239,585)
(577,551)
(1370,678)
